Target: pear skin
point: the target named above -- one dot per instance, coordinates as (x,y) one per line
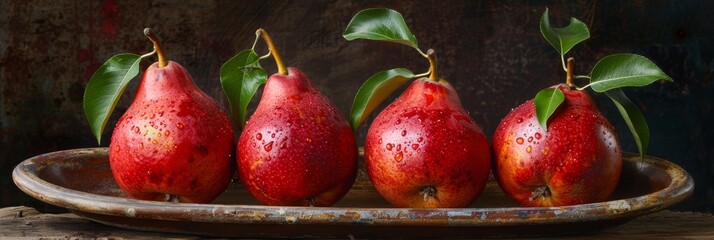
(173,141)
(296,149)
(578,160)
(423,150)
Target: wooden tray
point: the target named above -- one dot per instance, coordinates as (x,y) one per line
(81,181)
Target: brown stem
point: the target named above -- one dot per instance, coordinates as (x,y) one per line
(431,55)
(311,201)
(542,191)
(172,198)
(569,72)
(278,61)
(157,46)
(427,192)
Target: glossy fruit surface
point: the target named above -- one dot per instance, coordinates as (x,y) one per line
(424,150)
(578,160)
(297,148)
(173,140)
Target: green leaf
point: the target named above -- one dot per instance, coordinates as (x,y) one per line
(546,102)
(633,117)
(380,24)
(624,70)
(563,39)
(375,90)
(241,76)
(106,87)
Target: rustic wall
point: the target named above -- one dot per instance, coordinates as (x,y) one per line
(491,51)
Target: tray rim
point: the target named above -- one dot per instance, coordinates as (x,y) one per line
(680,188)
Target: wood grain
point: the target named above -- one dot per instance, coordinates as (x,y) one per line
(26,222)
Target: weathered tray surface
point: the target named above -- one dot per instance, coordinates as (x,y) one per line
(81,181)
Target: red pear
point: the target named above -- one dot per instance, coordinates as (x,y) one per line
(424,150)
(578,160)
(173,141)
(297,148)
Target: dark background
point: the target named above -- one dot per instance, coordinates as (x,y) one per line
(491,51)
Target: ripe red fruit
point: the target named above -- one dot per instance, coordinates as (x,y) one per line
(297,148)
(173,140)
(424,150)
(578,160)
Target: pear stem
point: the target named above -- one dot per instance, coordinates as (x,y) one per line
(542,191)
(271,47)
(172,198)
(427,192)
(157,47)
(311,202)
(569,72)
(431,55)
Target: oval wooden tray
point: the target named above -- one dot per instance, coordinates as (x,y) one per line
(81,181)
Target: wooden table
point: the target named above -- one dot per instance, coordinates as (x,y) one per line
(26,222)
